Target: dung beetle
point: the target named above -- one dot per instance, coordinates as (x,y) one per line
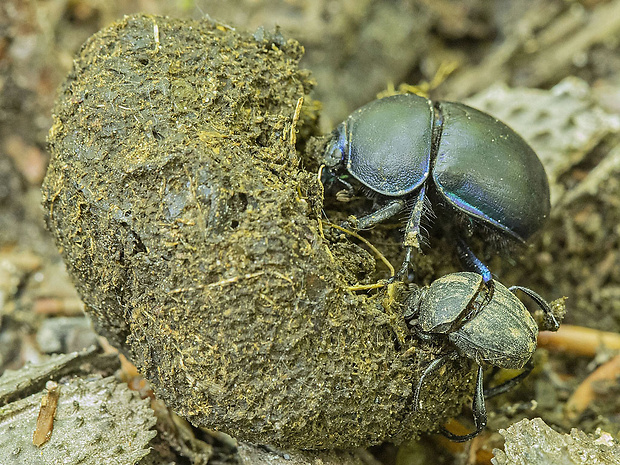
(404,148)
(492,329)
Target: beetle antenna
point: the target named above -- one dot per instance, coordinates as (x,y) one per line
(551,323)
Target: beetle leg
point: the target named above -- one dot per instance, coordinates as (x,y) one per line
(434,365)
(551,323)
(422,336)
(404,267)
(392,208)
(329,178)
(480,413)
(348,192)
(473,263)
(507,385)
(412,232)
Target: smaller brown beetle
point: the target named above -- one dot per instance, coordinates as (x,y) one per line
(491,327)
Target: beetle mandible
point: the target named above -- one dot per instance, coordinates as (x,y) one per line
(490,328)
(404,148)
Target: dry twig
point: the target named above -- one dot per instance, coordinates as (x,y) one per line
(585,393)
(578,340)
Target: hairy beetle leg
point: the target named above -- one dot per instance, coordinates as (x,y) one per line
(412,233)
(390,209)
(479,403)
(403,271)
(412,230)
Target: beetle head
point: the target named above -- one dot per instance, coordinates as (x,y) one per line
(412,304)
(334,159)
(333,156)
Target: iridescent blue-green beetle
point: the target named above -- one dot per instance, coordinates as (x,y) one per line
(405,147)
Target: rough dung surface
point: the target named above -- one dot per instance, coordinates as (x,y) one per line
(178,203)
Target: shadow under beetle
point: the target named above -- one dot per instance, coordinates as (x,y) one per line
(404,146)
(491,328)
